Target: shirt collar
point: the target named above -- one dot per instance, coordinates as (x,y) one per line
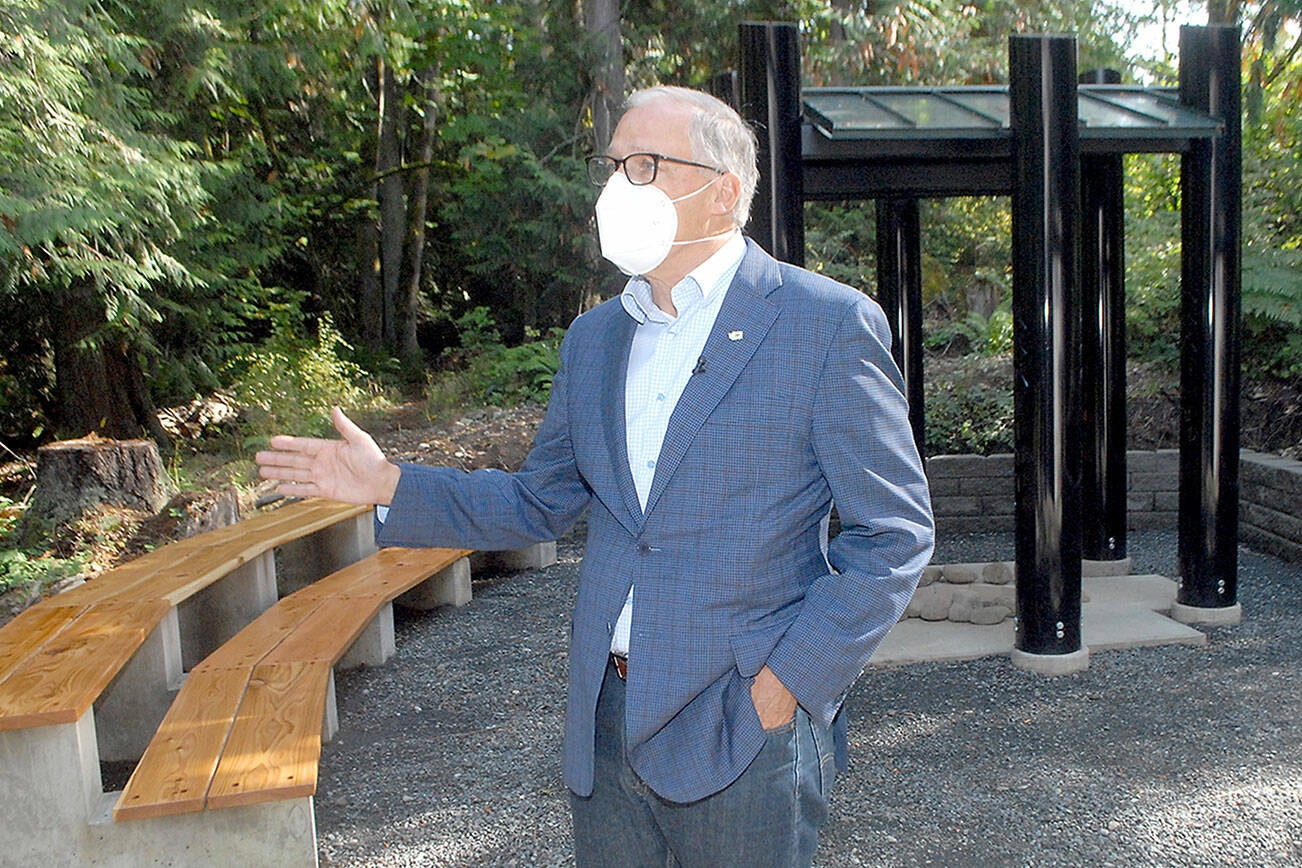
(700,284)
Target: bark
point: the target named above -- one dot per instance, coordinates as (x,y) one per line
(370,302)
(99,385)
(391,200)
(601,20)
(409,311)
(74,476)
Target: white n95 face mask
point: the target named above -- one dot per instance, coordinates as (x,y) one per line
(636,224)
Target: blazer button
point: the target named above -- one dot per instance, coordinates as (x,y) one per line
(643,548)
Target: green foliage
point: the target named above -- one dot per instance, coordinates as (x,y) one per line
(22,567)
(289,384)
(969,405)
(484,371)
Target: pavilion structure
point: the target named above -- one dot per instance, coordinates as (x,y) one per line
(1053,141)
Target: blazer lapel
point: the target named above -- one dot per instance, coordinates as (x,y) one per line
(615,359)
(744,319)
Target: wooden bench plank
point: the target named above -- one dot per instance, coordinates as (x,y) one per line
(275,742)
(388,573)
(328,632)
(65,677)
(173,775)
(29,631)
(247,648)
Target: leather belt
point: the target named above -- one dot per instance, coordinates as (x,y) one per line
(621,665)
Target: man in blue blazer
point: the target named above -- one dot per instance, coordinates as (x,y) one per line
(707,419)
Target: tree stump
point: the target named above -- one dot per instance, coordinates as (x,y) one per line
(74,476)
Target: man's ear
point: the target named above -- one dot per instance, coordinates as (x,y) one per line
(726,193)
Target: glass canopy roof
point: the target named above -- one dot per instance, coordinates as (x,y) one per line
(1124,113)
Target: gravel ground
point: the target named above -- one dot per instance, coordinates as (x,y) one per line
(450,753)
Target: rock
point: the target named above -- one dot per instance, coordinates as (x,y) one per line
(963,603)
(960,574)
(990,615)
(933,602)
(930,575)
(999,573)
(999,595)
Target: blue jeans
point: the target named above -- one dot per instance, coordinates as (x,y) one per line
(770,816)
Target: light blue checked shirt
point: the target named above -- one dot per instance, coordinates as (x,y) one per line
(665,351)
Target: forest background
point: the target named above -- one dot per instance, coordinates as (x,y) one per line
(242,213)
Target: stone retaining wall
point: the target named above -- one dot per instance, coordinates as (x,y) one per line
(1270,504)
(975,493)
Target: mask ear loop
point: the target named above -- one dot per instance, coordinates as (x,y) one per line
(723,234)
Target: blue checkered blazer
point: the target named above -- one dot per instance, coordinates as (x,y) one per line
(804,409)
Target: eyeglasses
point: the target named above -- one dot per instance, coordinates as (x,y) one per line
(638,168)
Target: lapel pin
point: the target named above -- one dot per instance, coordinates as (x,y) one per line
(736,335)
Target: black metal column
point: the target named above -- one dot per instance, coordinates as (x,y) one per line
(1211,185)
(1103,350)
(1046,346)
(770,100)
(899,290)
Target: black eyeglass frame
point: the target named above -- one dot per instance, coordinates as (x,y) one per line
(605,161)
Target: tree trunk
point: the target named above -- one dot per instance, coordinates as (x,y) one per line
(74,476)
(370,300)
(392,206)
(98,382)
(601,19)
(409,311)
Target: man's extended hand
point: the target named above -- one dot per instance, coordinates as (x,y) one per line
(352,470)
(773,702)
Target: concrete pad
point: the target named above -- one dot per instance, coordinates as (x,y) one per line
(1089,569)
(1217,616)
(1052,664)
(1123,612)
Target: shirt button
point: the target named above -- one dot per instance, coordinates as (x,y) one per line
(651,464)
(660,397)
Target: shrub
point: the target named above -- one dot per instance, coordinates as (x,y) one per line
(289,384)
(484,371)
(969,405)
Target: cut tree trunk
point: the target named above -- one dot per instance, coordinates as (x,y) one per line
(75,476)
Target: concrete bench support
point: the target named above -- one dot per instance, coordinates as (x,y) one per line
(226,607)
(56,813)
(376,644)
(129,710)
(301,562)
(533,557)
(448,587)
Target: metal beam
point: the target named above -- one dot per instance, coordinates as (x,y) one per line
(899,290)
(1103,351)
(1211,212)
(770,100)
(1046,352)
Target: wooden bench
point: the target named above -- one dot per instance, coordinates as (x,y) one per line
(88,675)
(99,666)
(248,724)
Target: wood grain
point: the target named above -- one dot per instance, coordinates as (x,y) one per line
(173,775)
(275,742)
(248,647)
(328,632)
(61,681)
(29,631)
(388,573)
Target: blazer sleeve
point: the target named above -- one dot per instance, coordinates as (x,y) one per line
(864,445)
(490,509)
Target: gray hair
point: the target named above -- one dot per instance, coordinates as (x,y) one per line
(719,137)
